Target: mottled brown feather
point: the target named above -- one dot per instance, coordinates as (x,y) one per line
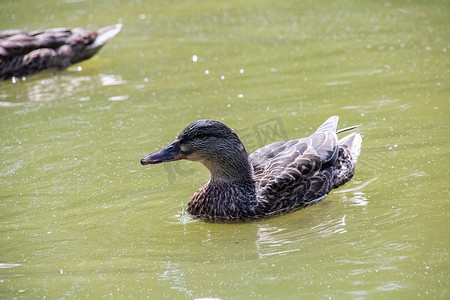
(25,53)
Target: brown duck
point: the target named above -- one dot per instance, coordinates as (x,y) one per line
(25,53)
(280,177)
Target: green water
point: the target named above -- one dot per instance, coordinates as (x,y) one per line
(81,218)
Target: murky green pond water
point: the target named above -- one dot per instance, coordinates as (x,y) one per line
(81,218)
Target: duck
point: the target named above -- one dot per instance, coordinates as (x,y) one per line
(26,53)
(281,177)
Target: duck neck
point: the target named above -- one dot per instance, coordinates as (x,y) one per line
(221,200)
(230,194)
(230,168)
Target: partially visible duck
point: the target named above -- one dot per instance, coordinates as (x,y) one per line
(280,177)
(25,53)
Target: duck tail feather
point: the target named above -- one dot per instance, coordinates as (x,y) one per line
(347,129)
(105,34)
(349,150)
(353,143)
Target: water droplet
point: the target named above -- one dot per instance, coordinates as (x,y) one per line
(206,72)
(241,71)
(241,96)
(222,77)
(194,58)
(79,68)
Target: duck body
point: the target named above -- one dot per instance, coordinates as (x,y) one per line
(25,53)
(280,177)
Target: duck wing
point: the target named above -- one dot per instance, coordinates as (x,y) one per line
(296,172)
(19,43)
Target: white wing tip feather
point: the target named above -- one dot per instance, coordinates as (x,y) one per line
(353,141)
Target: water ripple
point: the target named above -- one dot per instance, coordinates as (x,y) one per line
(8,266)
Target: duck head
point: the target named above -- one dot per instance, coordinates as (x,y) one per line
(213,144)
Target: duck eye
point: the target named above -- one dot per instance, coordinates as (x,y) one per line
(200,135)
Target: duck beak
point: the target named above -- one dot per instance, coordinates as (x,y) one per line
(170,153)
